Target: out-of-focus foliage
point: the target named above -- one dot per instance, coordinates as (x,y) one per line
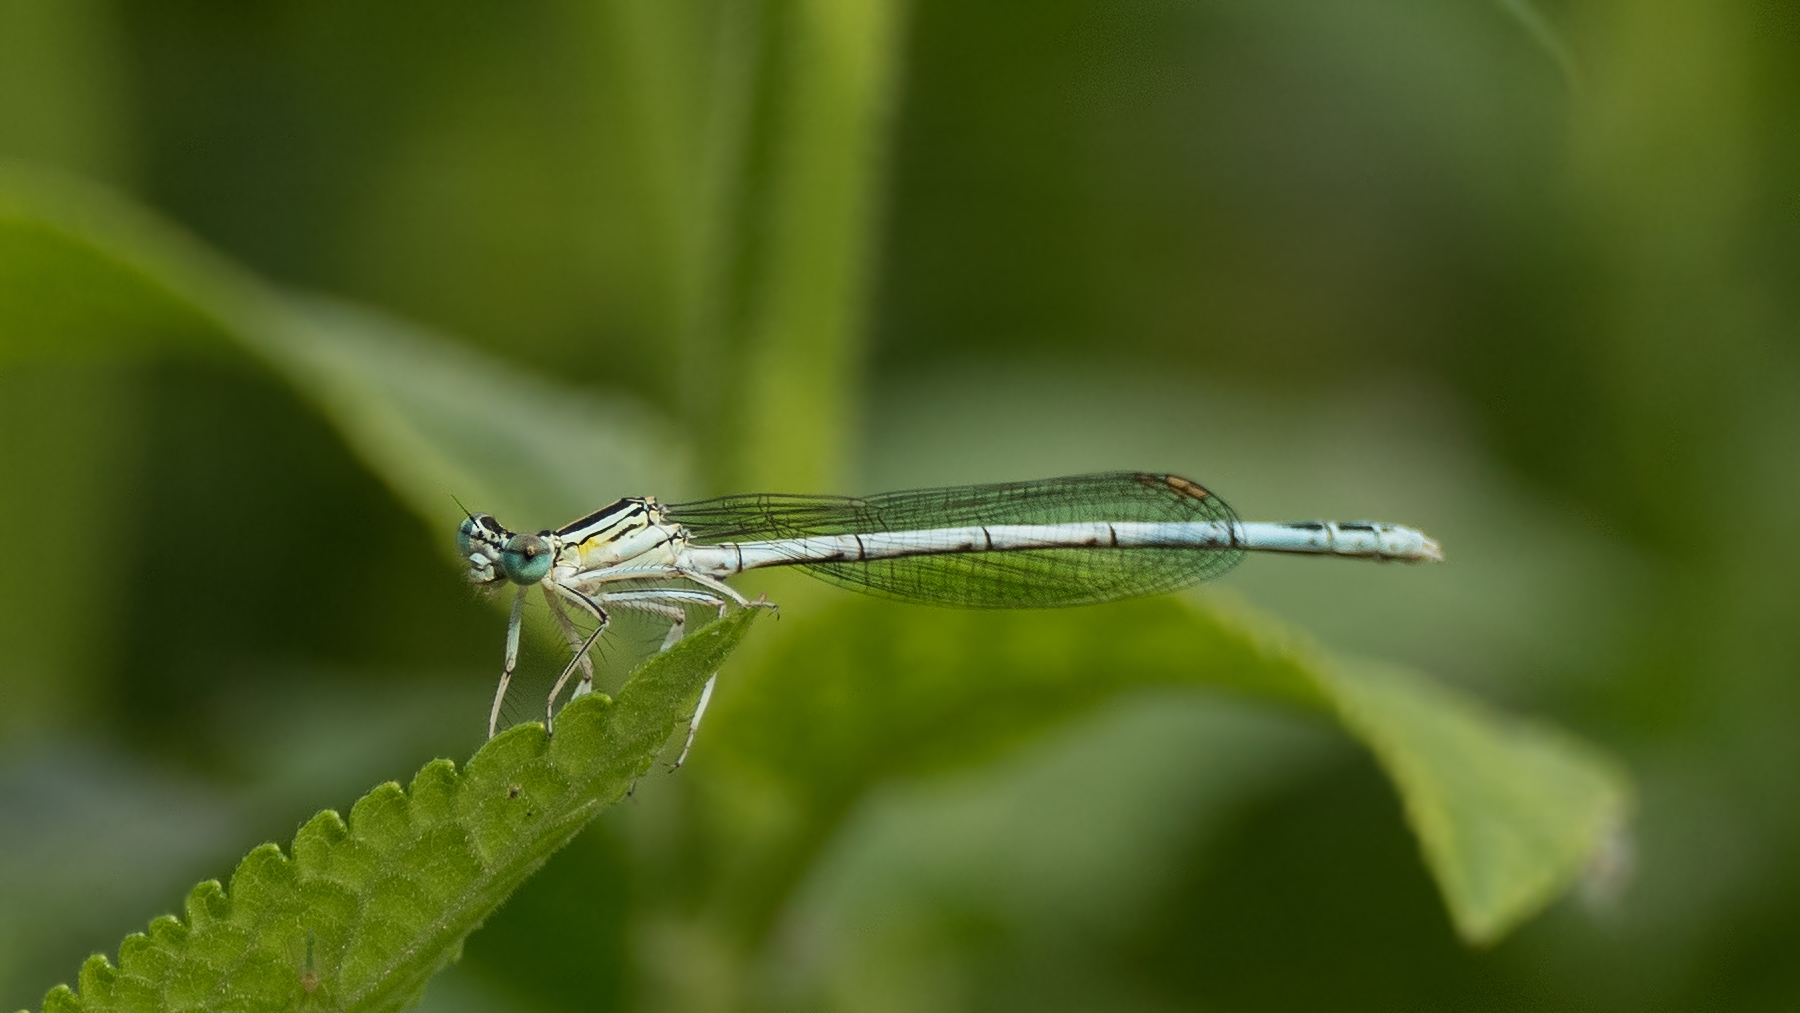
(1523,275)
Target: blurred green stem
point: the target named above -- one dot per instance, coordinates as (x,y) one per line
(61,88)
(65,428)
(65,435)
(793,165)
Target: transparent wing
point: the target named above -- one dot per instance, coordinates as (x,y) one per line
(1033,578)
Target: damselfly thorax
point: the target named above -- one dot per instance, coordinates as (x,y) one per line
(1057,542)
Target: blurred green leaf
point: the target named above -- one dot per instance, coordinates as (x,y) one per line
(362,915)
(85,274)
(1509,814)
(1033,877)
(93,839)
(1545,35)
(433,418)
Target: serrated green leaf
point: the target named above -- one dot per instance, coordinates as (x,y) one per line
(83,273)
(1508,813)
(364,911)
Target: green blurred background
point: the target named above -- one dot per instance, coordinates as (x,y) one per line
(1525,275)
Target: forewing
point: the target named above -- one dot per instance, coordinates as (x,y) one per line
(1033,578)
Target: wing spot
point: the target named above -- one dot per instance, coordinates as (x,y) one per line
(1186,487)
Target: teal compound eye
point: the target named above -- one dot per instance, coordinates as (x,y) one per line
(465,537)
(477,533)
(525,558)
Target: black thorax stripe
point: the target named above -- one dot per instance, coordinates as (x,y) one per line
(611,521)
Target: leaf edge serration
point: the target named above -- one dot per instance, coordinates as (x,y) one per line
(345,919)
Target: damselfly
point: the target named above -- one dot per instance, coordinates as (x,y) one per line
(1044,544)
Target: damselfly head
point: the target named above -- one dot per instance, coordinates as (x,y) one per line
(482,541)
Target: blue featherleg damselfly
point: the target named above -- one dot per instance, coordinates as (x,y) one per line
(1056,542)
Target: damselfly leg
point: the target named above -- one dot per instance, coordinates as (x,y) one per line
(676,632)
(665,603)
(694,722)
(677,629)
(575,640)
(512,658)
(601,621)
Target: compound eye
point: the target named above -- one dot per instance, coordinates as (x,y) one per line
(465,537)
(477,530)
(525,559)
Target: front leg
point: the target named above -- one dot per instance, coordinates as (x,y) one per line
(512,659)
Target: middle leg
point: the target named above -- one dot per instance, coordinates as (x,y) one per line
(574,638)
(601,619)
